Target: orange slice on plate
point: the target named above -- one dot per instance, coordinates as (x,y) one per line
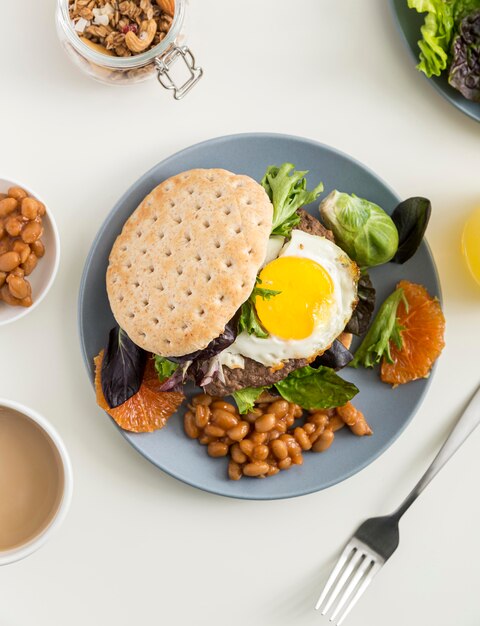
(147,410)
(422,337)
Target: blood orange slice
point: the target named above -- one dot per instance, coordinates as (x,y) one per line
(147,410)
(422,336)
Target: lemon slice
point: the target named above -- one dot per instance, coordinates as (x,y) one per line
(471,244)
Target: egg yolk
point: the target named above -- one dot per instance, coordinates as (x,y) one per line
(306,292)
(471,244)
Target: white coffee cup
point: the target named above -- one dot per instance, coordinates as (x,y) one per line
(11,410)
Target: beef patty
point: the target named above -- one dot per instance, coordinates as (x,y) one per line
(254,374)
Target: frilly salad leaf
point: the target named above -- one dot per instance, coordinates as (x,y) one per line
(288,192)
(316,388)
(464,72)
(245,398)
(384,329)
(437,32)
(164,367)
(361,228)
(123,366)
(360,320)
(411,219)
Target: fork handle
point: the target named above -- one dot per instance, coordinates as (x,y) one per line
(464,427)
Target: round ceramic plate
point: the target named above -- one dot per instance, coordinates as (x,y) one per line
(409,23)
(388,411)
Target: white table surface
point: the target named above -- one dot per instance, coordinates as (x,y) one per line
(138,547)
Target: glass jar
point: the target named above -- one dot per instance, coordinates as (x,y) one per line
(126,70)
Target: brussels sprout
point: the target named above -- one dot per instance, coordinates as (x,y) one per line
(361,228)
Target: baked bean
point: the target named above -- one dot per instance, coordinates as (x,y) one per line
(279,408)
(348,413)
(217,449)
(31,232)
(18,271)
(237,455)
(251,416)
(279,449)
(272,470)
(225,406)
(297,459)
(213,431)
(7,205)
(3,276)
(324,441)
(246,446)
(19,287)
(29,208)
(18,193)
(2,229)
(189,425)
(301,438)
(238,432)
(297,411)
(257,468)
(30,264)
(258,438)
(234,471)
(285,463)
(335,423)
(224,419)
(13,226)
(202,398)
(265,423)
(41,209)
(38,248)
(7,297)
(22,248)
(4,245)
(204,440)
(202,415)
(281,427)
(260,452)
(9,261)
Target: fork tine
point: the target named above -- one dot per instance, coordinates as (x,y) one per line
(347,572)
(344,557)
(352,585)
(366,581)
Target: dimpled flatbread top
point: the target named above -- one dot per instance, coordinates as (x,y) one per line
(187,258)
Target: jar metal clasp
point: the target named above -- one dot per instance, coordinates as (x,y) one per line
(163,64)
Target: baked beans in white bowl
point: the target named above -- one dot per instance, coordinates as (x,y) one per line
(29,250)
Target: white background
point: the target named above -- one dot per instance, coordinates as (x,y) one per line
(139,547)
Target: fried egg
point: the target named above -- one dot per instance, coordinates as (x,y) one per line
(317,282)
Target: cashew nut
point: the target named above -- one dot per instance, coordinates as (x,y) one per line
(140,43)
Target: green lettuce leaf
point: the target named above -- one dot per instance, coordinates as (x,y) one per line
(164,367)
(316,388)
(437,32)
(384,329)
(245,398)
(288,192)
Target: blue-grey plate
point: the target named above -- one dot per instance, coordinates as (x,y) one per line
(388,411)
(409,23)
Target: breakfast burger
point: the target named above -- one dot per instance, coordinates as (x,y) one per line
(230,283)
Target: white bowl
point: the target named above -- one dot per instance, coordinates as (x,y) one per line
(44,274)
(20,552)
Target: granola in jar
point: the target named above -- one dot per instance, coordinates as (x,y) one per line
(121,28)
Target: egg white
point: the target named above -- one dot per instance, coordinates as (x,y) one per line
(344,274)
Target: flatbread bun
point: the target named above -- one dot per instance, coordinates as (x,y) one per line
(187,259)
